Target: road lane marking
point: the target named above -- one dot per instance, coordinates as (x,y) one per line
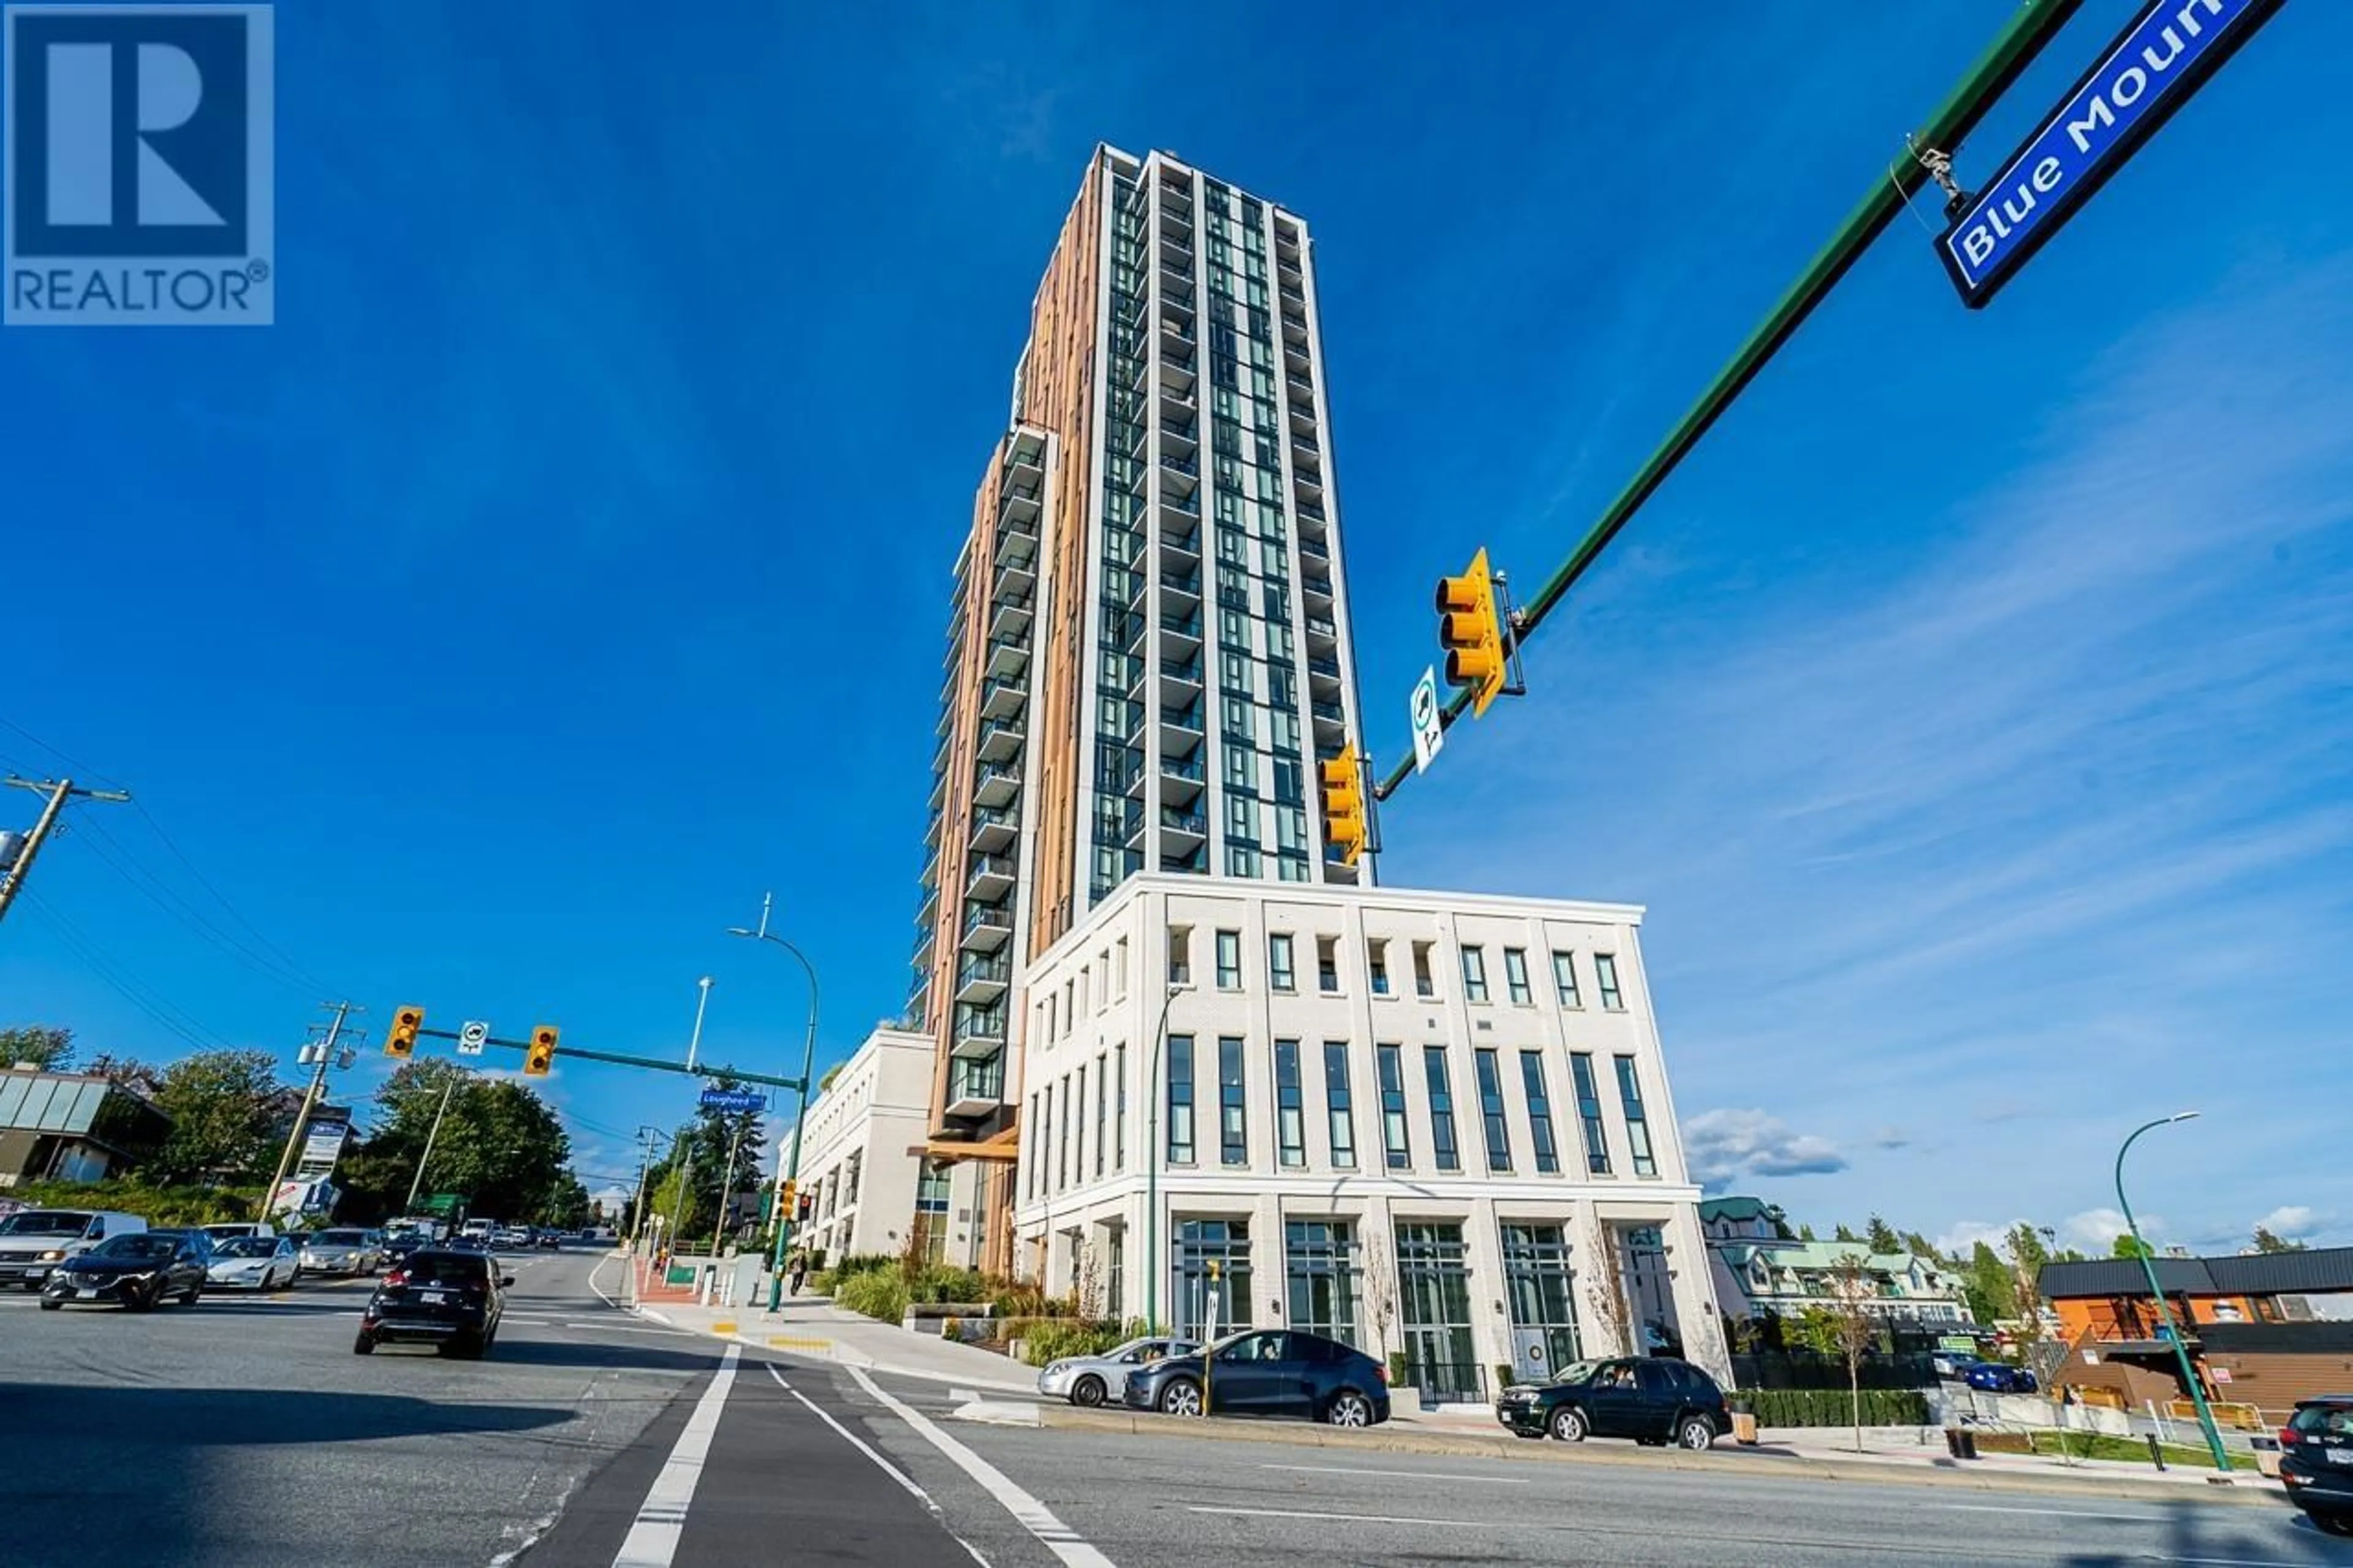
(1401,1475)
(888,1469)
(2052,1512)
(652,1541)
(1034,1516)
(1340,1518)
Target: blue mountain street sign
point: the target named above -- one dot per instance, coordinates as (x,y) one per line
(733,1100)
(2148,71)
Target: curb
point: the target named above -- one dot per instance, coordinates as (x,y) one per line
(1391,1439)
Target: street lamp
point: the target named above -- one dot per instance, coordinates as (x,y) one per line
(2165,1314)
(808,1067)
(1152,1165)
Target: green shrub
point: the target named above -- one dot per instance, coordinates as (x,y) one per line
(1052,1339)
(942,1283)
(876,1292)
(1833,1407)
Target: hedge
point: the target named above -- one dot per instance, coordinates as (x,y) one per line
(876,1292)
(1050,1339)
(1833,1407)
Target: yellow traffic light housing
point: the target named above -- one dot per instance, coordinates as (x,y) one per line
(1471,630)
(400,1040)
(1343,806)
(540,1056)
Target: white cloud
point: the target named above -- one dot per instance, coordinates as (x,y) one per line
(1963,1237)
(2095,1230)
(1724,1145)
(2289,1221)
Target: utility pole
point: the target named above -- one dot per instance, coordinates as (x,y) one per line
(646,1136)
(410,1207)
(727,1181)
(326,1054)
(59,791)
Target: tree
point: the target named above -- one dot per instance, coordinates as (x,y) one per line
(499,1145)
(1380,1293)
(2127,1245)
(1843,1327)
(1844,1233)
(2266,1241)
(1604,1293)
(712,1139)
(1989,1286)
(1805,1233)
(223,1112)
(128,1071)
(1880,1236)
(36,1044)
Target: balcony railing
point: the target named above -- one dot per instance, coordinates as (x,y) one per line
(987,919)
(1319,665)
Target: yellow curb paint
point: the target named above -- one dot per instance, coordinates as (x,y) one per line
(722,1328)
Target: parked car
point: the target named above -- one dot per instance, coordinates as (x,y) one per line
(231,1231)
(254,1263)
(2317,1460)
(135,1270)
(1954,1364)
(398,1250)
(1655,1400)
(33,1242)
(1087,1380)
(547,1239)
(340,1251)
(447,1297)
(1266,1372)
(1999,1377)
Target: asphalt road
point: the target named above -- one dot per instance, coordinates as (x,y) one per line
(245,1431)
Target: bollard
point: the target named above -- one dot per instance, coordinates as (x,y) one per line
(2155,1453)
(1953,1441)
(1968,1444)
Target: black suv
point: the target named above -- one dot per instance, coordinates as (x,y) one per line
(440,1296)
(135,1270)
(1655,1400)
(2317,1460)
(1266,1372)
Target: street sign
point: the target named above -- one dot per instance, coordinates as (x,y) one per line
(733,1100)
(472,1036)
(1428,735)
(441,1203)
(2152,68)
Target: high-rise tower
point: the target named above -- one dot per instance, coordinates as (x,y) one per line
(1148,643)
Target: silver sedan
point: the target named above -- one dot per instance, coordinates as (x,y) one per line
(338,1252)
(1087,1380)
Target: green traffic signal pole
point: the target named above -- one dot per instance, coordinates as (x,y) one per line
(800,1122)
(2165,1314)
(2032,26)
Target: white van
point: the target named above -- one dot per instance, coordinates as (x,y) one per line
(34,1241)
(479,1229)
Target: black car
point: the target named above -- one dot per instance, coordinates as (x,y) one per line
(1267,1371)
(441,1296)
(1655,1400)
(548,1240)
(136,1271)
(2317,1460)
(400,1248)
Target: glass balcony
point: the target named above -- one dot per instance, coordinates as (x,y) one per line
(982,980)
(994,831)
(975,1086)
(1000,740)
(989,876)
(995,784)
(979,1032)
(987,928)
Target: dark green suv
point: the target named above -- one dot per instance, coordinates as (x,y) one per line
(1655,1400)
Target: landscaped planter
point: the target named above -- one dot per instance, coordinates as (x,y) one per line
(963,1320)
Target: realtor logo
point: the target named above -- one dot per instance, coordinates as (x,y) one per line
(138,166)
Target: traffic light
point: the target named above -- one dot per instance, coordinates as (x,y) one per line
(791,1207)
(400,1040)
(1471,630)
(1343,806)
(542,1054)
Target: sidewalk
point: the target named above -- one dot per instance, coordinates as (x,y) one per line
(812,1326)
(1893,1450)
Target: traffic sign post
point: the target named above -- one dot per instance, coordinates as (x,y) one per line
(472,1036)
(1429,732)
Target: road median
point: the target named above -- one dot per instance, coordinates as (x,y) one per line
(1764,1461)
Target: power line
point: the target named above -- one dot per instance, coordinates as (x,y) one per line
(167,1014)
(159,893)
(312,983)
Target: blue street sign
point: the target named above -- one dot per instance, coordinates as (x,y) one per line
(2151,70)
(734,1099)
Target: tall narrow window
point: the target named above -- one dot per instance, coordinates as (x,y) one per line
(1441,1109)
(1377,965)
(1638,1130)
(1515,976)
(1327,965)
(1393,1126)
(1564,979)
(1422,983)
(1605,976)
(1119,1122)
(1532,1078)
(1180,956)
(1290,1115)
(1589,1113)
(1180,1100)
(1063,1137)
(1037,1150)
(1340,1112)
(1103,1109)
(1278,963)
(1229,960)
(1119,973)
(1233,1140)
(1491,1113)
(1475,975)
(1079,1135)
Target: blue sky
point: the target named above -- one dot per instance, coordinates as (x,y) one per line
(568,565)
